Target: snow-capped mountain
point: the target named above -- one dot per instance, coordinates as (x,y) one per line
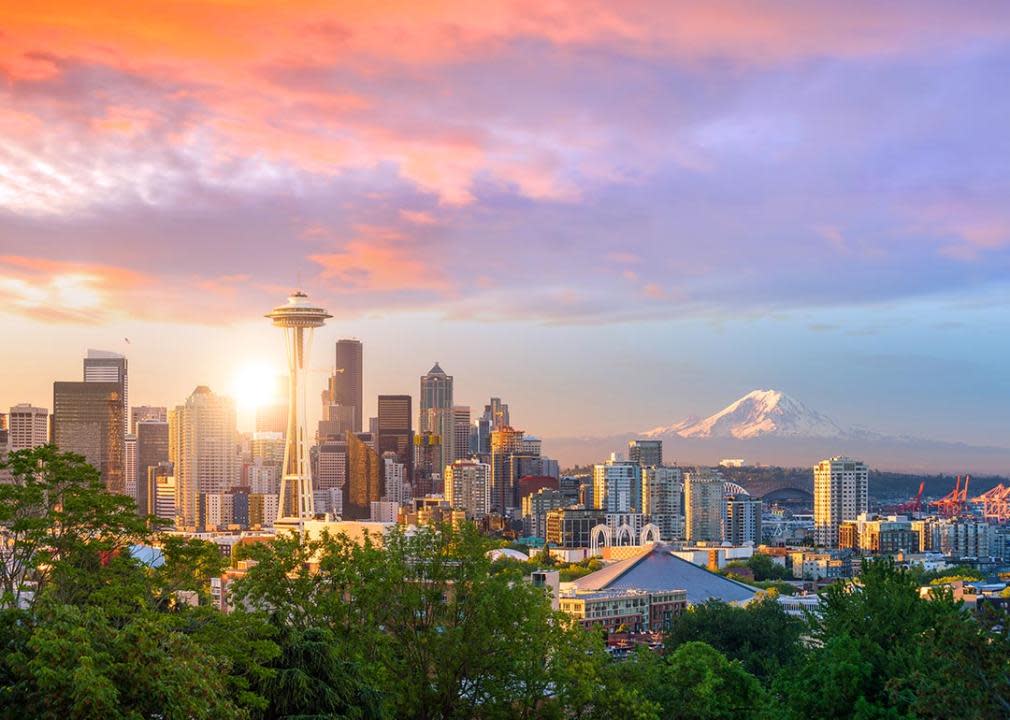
(759,413)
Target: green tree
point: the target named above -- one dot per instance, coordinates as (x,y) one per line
(311,678)
(762,636)
(189,564)
(56,519)
(882,650)
(694,682)
(77,664)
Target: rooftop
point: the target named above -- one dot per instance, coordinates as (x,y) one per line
(656,570)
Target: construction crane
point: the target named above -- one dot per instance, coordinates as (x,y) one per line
(995,503)
(955,502)
(915,504)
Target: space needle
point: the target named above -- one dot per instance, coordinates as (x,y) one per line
(298,318)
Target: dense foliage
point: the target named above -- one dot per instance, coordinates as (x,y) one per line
(426,626)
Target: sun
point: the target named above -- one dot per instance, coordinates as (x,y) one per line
(255,385)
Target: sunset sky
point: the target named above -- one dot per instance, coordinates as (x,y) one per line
(612,215)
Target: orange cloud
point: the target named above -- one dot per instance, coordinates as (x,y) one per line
(380,260)
(273,77)
(56,291)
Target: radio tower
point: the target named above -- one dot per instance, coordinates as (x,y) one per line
(298,318)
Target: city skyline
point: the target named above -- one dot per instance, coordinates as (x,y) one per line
(649,204)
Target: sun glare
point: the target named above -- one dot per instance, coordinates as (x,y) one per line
(255,385)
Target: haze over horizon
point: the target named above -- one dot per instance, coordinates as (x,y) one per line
(613,218)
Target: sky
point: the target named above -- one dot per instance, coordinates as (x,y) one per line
(611,215)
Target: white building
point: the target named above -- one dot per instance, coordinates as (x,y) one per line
(468,487)
(27,427)
(704,505)
(840,493)
(743,520)
(203,449)
(661,500)
(263,478)
(383,512)
(395,475)
(617,486)
(130,464)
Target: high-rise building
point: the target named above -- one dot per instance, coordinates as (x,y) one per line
(88,420)
(572,527)
(437,414)
(468,487)
(841,489)
(703,504)
(331,464)
(394,475)
(152,451)
(460,432)
(268,447)
(495,417)
(647,453)
(298,318)
(263,479)
(345,386)
(535,507)
(130,466)
(203,451)
(147,413)
(27,427)
(743,519)
(104,367)
(617,486)
(395,431)
(506,442)
(427,475)
(661,500)
(364,477)
(159,492)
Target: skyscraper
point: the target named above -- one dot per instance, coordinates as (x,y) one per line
(437,415)
(147,413)
(506,442)
(617,486)
(152,452)
(703,503)
(298,318)
(460,432)
(364,477)
(395,432)
(495,417)
(27,426)
(104,366)
(88,420)
(661,500)
(346,383)
(203,451)
(743,519)
(841,488)
(468,487)
(647,453)
(130,466)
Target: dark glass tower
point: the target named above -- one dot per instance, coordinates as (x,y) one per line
(88,419)
(396,431)
(345,387)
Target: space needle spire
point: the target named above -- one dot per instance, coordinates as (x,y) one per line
(298,318)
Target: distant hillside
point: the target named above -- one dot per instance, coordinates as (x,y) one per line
(885,487)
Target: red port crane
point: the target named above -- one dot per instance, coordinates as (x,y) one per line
(995,503)
(955,502)
(915,504)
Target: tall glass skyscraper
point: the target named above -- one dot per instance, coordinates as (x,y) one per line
(437,415)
